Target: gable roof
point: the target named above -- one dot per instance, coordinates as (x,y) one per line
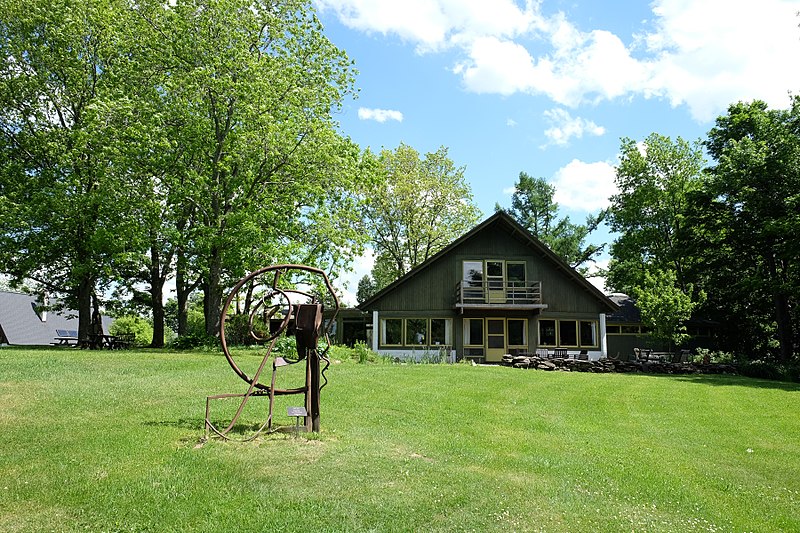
(499,220)
(21,324)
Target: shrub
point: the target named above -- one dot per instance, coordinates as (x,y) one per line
(138,327)
(194,340)
(761,369)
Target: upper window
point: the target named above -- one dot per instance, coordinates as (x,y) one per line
(473,272)
(515,273)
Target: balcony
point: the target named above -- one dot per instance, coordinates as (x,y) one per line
(494,294)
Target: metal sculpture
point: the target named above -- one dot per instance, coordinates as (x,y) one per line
(282,309)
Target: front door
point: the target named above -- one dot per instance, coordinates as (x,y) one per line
(495,281)
(495,339)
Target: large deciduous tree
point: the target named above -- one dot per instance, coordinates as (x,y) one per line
(533,207)
(248,88)
(655,179)
(418,208)
(748,222)
(64,119)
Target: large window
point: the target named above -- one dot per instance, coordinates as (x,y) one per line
(588,333)
(568,333)
(517,333)
(473,332)
(473,273)
(440,331)
(547,333)
(392,331)
(416,332)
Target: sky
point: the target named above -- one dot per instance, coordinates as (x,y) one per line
(550,87)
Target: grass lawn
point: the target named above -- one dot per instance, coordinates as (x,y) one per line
(111,441)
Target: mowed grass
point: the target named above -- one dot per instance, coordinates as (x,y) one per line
(112,441)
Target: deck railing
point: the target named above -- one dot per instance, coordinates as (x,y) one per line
(497,293)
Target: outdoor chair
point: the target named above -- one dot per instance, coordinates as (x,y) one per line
(542,352)
(560,352)
(583,355)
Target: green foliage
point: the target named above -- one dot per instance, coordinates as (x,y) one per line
(66,122)
(665,308)
(140,328)
(654,179)
(196,339)
(746,225)
(533,207)
(417,208)
(366,289)
(237,330)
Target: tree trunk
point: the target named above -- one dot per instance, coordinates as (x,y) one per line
(85,291)
(156,298)
(783,317)
(182,292)
(212,293)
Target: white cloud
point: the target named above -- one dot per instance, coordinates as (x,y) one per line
(509,190)
(565,127)
(511,122)
(432,25)
(712,53)
(379,115)
(704,54)
(584,186)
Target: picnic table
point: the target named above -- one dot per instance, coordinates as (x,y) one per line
(65,337)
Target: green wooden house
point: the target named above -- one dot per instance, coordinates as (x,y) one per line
(495,290)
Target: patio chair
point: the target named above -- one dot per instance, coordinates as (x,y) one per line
(583,355)
(542,352)
(560,353)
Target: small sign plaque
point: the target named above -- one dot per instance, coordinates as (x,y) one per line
(297,411)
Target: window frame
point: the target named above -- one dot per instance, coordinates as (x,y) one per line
(468,331)
(524,333)
(384,324)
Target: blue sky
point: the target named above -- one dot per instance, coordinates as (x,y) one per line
(550,87)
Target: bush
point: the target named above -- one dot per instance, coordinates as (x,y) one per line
(138,327)
(761,370)
(770,369)
(194,340)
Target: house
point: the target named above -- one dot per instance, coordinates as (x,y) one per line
(495,290)
(24,322)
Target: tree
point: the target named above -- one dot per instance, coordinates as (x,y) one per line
(654,179)
(247,88)
(665,308)
(649,261)
(366,289)
(64,120)
(533,207)
(750,217)
(418,208)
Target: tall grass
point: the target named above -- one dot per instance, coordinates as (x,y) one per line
(112,441)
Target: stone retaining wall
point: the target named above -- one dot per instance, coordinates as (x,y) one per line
(614,365)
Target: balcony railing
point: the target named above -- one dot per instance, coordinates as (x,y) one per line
(491,293)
